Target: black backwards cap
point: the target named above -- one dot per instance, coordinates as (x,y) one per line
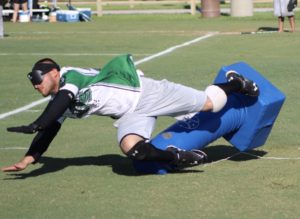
(41,68)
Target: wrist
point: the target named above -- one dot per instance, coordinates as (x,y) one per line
(28,159)
(35,127)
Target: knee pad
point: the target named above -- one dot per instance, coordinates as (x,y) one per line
(139,151)
(145,151)
(217,96)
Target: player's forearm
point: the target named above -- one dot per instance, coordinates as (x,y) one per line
(55,109)
(42,141)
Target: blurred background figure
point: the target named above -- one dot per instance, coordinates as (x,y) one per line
(17,5)
(282,9)
(1,19)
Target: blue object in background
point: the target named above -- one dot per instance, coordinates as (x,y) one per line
(245,122)
(67,16)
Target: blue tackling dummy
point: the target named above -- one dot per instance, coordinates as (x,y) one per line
(245,122)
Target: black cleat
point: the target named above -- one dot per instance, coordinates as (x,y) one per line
(187,158)
(249,87)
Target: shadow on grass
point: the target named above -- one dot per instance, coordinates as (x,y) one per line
(123,166)
(119,164)
(270,30)
(220,152)
(266,29)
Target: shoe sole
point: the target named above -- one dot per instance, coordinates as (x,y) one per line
(256,89)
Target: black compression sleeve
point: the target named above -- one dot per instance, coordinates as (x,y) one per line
(55,109)
(145,151)
(42,140)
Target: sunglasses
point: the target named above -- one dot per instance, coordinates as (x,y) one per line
(36,76)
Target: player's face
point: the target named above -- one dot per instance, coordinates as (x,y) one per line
(49,85)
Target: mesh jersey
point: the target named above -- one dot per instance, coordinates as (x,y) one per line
(112,91)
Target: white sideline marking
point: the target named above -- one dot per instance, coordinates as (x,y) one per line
(21,109)
(13,148)
(253,155)
(63,54)
(169,50)
(110,32)
(272,158)
(33,111)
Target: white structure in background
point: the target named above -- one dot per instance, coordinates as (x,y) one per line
(1,23)
(241,8)
(30,6)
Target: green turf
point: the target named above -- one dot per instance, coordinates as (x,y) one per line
(84,174)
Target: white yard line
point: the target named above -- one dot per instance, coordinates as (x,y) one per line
(24,108)
(172,49)
(13,148)
(164,52)
(271,158)
(62,54)
(110,32)
(249,154)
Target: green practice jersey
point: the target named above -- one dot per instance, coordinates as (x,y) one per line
(112,91)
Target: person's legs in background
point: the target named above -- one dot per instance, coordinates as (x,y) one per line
(16,12)
(17,5)
(1,23)
(280,23)
(24,6)
(292,23)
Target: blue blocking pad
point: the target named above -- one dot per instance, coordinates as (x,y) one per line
(203,128)
(245,122)
(260,115)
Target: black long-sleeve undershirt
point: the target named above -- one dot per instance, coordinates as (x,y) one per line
(55,109)
(48,123)
(42,141)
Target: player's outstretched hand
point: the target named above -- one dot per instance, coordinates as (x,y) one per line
(26,129)
(16,167)
(20,165)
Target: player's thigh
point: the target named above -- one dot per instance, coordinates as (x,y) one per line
(133,128)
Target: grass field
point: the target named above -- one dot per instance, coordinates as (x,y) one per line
(84,174)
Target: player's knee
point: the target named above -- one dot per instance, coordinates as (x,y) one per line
(217,97)
(129,141)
